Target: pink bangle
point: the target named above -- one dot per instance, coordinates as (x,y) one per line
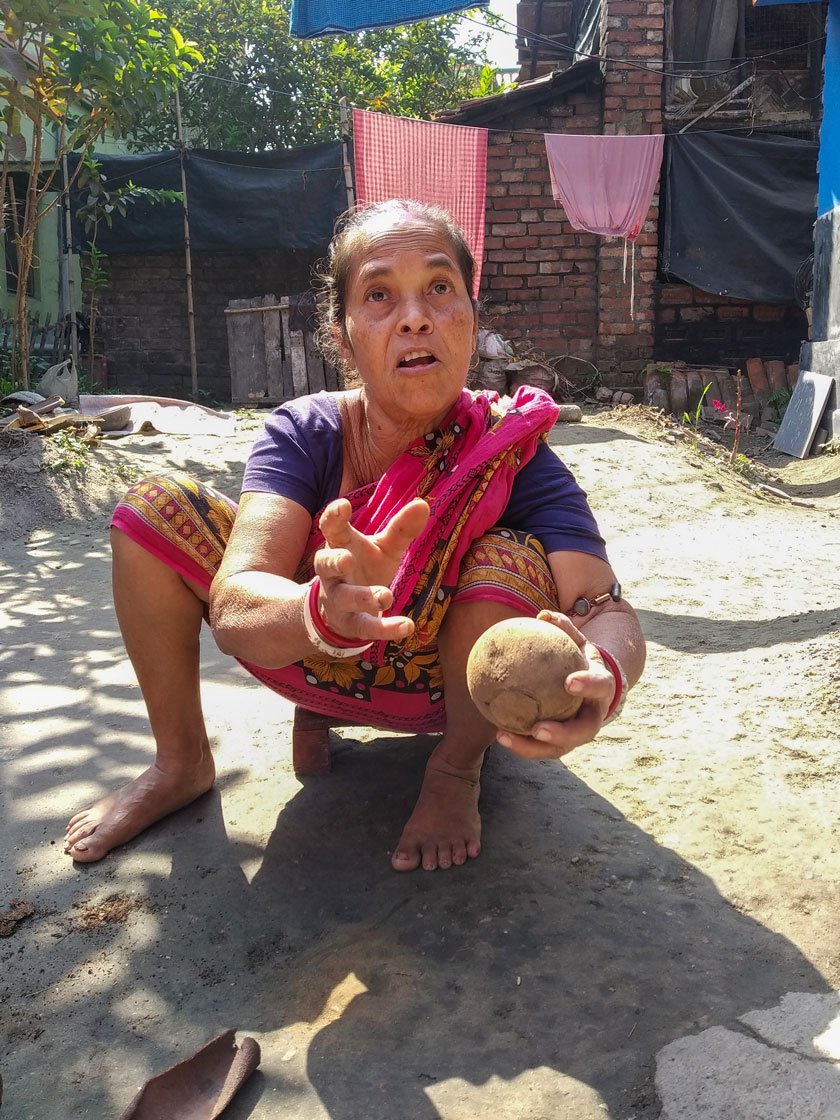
(326,641)
(621,687)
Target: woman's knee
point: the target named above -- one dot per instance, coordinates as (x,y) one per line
(510,568)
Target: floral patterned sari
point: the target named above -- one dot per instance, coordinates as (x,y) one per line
(465,471)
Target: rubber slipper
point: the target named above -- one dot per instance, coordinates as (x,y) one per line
(200,1087)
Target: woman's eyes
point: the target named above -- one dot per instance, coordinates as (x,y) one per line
(379,295)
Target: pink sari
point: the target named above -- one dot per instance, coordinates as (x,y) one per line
(465,470)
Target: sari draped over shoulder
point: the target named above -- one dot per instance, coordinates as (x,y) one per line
(465,471)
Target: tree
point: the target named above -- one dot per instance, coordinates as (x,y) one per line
(260,89)
(75,69)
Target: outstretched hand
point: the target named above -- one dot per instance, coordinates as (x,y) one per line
(356,571)
(595,683)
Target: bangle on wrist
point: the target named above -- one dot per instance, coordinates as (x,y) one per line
(621,686)
(326,641)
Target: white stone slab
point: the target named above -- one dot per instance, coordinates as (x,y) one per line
(803,414)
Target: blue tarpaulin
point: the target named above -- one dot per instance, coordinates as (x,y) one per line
(311,18)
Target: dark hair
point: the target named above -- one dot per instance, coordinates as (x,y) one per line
(352,235)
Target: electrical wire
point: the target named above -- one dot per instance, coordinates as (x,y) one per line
(507,131)
(654,66)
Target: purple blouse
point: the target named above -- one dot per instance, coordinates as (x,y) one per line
(300,456)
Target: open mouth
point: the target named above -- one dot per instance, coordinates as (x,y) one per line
(416,359)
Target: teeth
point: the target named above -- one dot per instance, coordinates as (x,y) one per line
(412,354)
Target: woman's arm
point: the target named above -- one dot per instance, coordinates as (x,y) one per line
(612,626)
(256,607)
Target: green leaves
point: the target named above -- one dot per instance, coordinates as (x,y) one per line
(115,60)
(258,89)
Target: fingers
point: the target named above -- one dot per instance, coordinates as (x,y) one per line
(339,599)
(372,628)
(564,623)
(355,611)
(332,564)
(403,527)
(553,740)
(335,524)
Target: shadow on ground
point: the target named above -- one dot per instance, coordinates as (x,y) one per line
(539,981)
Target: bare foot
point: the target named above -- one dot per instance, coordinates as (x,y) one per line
(445,827)
(122,815)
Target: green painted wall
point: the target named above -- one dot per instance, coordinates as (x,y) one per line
(46,297)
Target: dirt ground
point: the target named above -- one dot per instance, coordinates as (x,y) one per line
(679,872)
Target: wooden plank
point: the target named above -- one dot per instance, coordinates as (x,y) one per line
(295,353)
(314,364)
(298,352)
(273,343)
(237,392)
(288,386)
(253,331)
(247,352)
(332,377)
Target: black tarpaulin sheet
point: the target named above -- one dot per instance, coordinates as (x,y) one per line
(739,212)
(237,201)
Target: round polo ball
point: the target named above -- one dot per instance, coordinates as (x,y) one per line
(516,673)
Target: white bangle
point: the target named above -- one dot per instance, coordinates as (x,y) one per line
(319,643)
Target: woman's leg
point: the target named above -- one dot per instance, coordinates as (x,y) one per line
(160,616)
(445,827)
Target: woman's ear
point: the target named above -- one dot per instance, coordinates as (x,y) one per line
(343,344)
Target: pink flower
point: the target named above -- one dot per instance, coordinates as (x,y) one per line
(719,405)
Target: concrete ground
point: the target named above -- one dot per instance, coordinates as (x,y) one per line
(593,942)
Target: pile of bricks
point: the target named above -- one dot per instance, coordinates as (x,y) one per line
(680,388)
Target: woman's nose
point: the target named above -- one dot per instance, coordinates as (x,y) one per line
(414,318)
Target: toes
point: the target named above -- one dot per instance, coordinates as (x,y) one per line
(459,853)
(76,820)
(82,853)
(447,854)
(404,859)
(80,832)
(473,848)
(430,856)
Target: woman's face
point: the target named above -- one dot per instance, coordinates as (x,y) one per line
(410,326)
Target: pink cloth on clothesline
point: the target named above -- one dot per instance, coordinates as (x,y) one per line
(441,164)
(605,183)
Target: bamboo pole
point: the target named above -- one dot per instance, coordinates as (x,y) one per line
(71,279)
(187,252)
(344,119)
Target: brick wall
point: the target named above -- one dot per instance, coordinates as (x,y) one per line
(695,326)
(544,282)
(539,277)
(634,31)
(144,334)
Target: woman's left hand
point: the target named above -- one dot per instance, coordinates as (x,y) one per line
(596,684)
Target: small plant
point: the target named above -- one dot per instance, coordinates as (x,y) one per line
(694,420)
(779,399)
(69,451)
(733,419)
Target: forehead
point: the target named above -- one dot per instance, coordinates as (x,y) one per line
(398,241)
